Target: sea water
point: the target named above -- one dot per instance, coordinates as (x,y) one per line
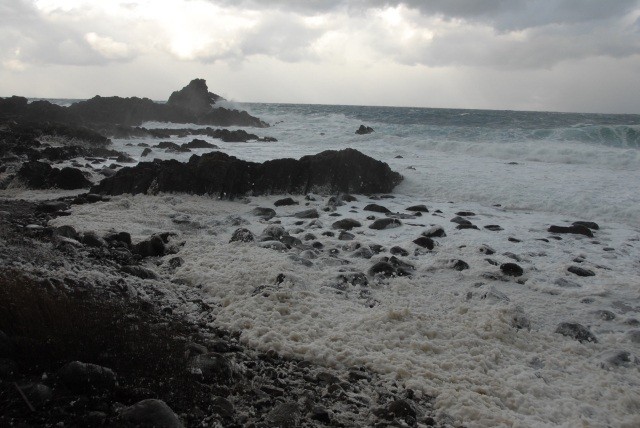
(584,165)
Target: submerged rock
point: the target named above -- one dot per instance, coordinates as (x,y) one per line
(576,331)
(362,130)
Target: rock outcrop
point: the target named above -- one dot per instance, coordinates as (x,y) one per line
(219,174)
(192,104)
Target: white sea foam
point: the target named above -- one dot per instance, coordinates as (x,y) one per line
(440,331)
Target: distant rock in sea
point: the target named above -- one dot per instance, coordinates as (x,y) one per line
(364,130)
(192,104)
(219,174)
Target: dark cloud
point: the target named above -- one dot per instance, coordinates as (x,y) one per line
(501,14)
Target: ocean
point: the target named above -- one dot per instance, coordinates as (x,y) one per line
(484,344)
(584,165)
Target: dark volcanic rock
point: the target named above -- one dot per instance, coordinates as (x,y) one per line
(459,265)
(242,235)
(362,130)
(460,220)
(284,202)
(151,412)
(398,251)
(589,224)
(346,224)
(493,227)
(199,144)
(434,232)
(226,176)
(264,213)
(195,97)
(84,377)
(152,247)
(424,242)
(418,208)
(385,223)
(511,269)
(577,270)
(146,152)
(376,208)
(575,229)
(39,175)
(576,331)
(211,368)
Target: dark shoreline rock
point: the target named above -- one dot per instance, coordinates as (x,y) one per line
(216,173)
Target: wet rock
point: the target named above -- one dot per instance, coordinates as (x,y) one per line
(91,239)
(576,331)
(354,278)
(398,409)
(67,232)
(362,130)
(147,151)
(284,202)
(465,226)
(242,235)
(418,208)
(84,377)
(311,213)
(39,175)
(465,214)
(487,250)
(434,232)
(273,232)
(197,143)
(346,224)
(346,236)
(605,315)
(589,224)
(273,245)
(382,267)
(457,264)
(217,173)
(320,414)
(264,213)
(284,415)
(614,359)
(140,272)
(152,247)
(363,252)
(565,283)
(575,229)
(52,206)
(460,221)
(425,242)
(151,412)
(376,208)
(118,239)
(398,251)
(511,269)
(580,271)
(493,227)
(222,407)
(385,223)
(211,368)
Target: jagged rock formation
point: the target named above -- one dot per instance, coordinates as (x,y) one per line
(192,104)
(217,173)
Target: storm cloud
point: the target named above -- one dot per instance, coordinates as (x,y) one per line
(464,37)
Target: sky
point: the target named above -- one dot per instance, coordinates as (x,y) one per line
(553,55)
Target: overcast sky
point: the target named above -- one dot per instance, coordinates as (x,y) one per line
(562,55)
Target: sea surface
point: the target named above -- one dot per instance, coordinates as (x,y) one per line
(584,165)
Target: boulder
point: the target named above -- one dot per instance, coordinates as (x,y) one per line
(199,144)
(575,229)
(285,202)
(242,235)
(39,175)
(385,223)
(424,242)
(346,224)
(580,271)
(152,247)
(376,208)
(511,269)
(151,412)
(576,331)
(219,174)
(418,208)
(362,130)
(84,377)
